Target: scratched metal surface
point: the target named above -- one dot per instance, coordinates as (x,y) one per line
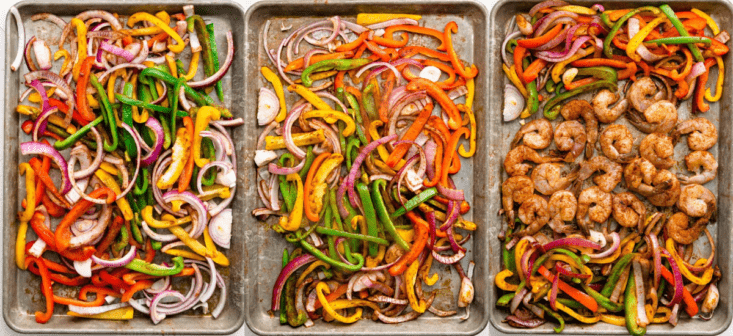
(721,186)
(264,246)
(21,289)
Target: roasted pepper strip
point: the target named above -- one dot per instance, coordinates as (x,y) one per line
(411,134)
(414,202)
(410,278)
(144,267)
(185,177)
(20,243)
(142,16)
(180,159)
(369,214)
(378,187)
(83,72)
(337,64)
(63,231)
(331,116)
(338,264)
(581,297)
(710,22)
(719,84)
(46,288)
(420,240)
(204,115)
(467,73)
(680,29)
(322,288)
(703,280)
(81,33)
(389,33)
(291,222)
(630,303)
(616,272)
(314,201)
(108,112)
(448,106)
(619,23)
(30,191)
(550,110)
(110,182)
(500,281)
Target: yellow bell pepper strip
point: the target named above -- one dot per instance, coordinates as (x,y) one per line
(147,216)
(152,30)
(381,150)
(636,41)
(425,271)
(210,247)
(273,142)
(373,261)
(274,79)
(81,35)
(67,60)
(628,248)
(465,108)
(183,253)
(318,186)
(711,23)
(193,67)
(613,319)
(122,203)
(471,72)
(142,16)
(310,269)
(511,73)
(323,287)
(702,281)
(519,250)
(664,319)
(204,115)
(291,222)
(171,65)
(500,281)
(331,116)
(20,245)
(312,208)
(195,246)
(471,88)
(576,9)
(310,96)
(719,84)
(559,68)
(581,318)
(410,278)
(124,313)
(180,157)
(366,19)
(30,190)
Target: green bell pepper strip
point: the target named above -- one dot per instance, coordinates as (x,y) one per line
(156,245)
(602,300)
(144,177)
(554,315)
(369,215)
(321,256)
(356,114)
(309,157)
(582,260)
(606,20)
(338,233)
(327,217)
(508,256)
(70,140)
(533,102)
(199,99)
(63,134)
(180,69)
(294,237)
(153,107)
(332,64)
(552,107)
(631,309)
(377,187)
(334,210)
(598,278)
(136,234)
(679,40)
(126,117)
(111,121)
(415,201)
(505,299)
(616,272)
(283,317)
(683,32)
(122,240)
(570,303)
(368,101)
(167,143)
(210,152)
(293,318)
(617,26)
(144,267)
(601,72)
(195,22)
(550,86)
(174,106)
(215,59)
(286,189)
(351,147)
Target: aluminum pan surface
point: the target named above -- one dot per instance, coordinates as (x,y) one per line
(503,132)
(264,246)
(21,290)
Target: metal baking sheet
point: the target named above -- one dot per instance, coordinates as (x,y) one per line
(502,132)
(264,246)
(21,289)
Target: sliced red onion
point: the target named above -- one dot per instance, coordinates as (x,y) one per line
(517,300)
(678,285)
(220,228)
(639,280)
(122,261)
(103,76)
(286,272)
(154,315)
(60,84)
(222,298)
(555,56)
(348,184)
(88,171)
(84,268)
(383,64)
(160,285)
(448,260)
(642,50)
(38,247)
(614,246)
(157,128)
(551,18)
(196,204)
(222,69)
(39,148)
(697,69)
(509,61)
(43,54)
(288,132)
(573,241)
(95,231)
(546,4)
(517,322)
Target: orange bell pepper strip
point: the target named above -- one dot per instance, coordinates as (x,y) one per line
(313,217)
(389,31)
(298,63)
(718,49)
(686,15)
(63,231)
(97,290)
(455,165)
(593,62)
(408,52)
(389,84)
(338,81)
(157,38)
(540,40)
(518,56)
(700,103)
(98,301)
(114,281)
(443,67)
(40,187)
(579,83)
(81,89)
(694,23)
(340,290)
(614,15)
(377,51)
(411,134)
(65,108)
(450,153)
(629,72)
(42,231)
(686,71)
(454,116)
(138,286)
(390,42)
(419,241)
(59,278)
(46,289)
(533,70)
(438,165)
(472,71)
(353,44)
(690,304)
(574,293)
(185,179)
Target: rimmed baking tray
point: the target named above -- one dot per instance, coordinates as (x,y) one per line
(264,246)
(719,114)
(21,290)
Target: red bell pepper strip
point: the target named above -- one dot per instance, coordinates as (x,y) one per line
(389,31)
(593,62)
(450,153)
(718,49)
(353,44)
(81,89)
(113,281)
(42,231)
(410,51)
(389,84)
(138,286)
(65,108)
(540,40)
(533,70)
(149,251)
(579,296)
(376,50)
(43,317)
(690,304)
(159,37)
(418,244)
(700,104)
(454,116)
(46,179)
(97,290)
(63,231)
(411,134)
(98,301)
(60,278)
(469,73)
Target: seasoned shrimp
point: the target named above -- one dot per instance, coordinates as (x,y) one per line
(536,134)
(549,178)
(570,137)
(601,102)
(660,117)
(639,175)
(594,205)
(666,190)
(606,182)
(696,161)
(643,93)
(696,201)
(616,143)
(514,161)
(515,189)
(628,210)
(562,206)
(575,109)
(678,228)
(534,213)
(658,149)
(702,134)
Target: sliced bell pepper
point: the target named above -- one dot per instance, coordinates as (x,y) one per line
(142,16)
(46,289)
(291,222)
(472,71)
(420,240)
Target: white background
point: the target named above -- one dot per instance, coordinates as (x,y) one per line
(4,6)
